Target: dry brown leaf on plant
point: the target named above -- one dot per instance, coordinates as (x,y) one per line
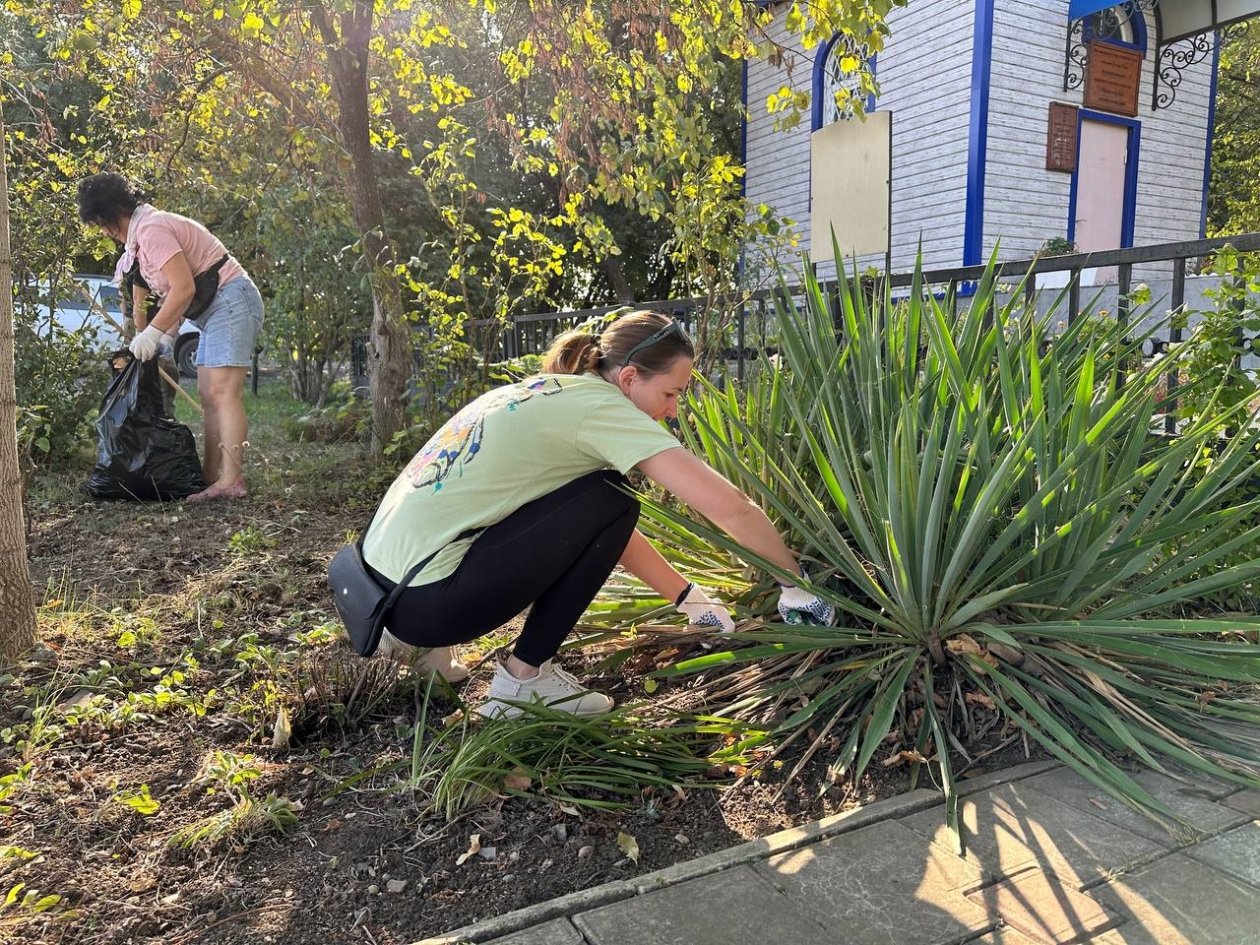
(966,644)
(979,698)
(518,780)
(903,757)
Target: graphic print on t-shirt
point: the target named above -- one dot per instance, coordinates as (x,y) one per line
(459,440)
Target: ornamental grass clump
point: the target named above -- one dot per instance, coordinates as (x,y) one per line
(985,500)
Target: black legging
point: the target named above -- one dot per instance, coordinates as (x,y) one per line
(554,553)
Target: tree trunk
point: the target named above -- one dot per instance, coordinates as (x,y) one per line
(389,355)
(617,280)
(17,601)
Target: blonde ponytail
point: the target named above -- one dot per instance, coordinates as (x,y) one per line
(581,352)
(574,352)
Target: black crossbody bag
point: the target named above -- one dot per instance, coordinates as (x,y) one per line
(360,600)
(205,288)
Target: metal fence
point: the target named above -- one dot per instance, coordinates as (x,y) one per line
(1047,280)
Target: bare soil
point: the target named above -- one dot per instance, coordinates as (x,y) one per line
(127,593)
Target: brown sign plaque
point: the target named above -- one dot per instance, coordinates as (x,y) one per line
(1061,138)
(1112,77)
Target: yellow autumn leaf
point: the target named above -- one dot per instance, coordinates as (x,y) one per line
(252,25)
(629,846)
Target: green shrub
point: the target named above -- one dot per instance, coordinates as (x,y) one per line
(1220,339)
(61,376)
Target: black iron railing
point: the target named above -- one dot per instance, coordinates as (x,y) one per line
(531,334)
(750,335)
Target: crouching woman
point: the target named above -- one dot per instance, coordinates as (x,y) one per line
(536,472)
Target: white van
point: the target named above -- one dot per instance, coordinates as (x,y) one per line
(73,313)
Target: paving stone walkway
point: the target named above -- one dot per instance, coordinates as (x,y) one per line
(1050,860)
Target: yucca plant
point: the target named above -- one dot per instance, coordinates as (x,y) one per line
(986,501)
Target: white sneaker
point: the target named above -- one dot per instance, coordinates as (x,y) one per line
(440,659)
(552,687)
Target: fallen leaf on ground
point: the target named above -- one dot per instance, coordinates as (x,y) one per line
(629,846)
(282,732)
(979,698)
(474,847)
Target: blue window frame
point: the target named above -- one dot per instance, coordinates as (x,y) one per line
(825,82)
(1127,27)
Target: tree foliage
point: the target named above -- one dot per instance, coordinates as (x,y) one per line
(484,159)
(1233,201)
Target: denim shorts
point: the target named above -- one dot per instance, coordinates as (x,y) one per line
(230,326)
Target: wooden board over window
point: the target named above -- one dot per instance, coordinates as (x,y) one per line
(1112,77)
(1061,138)
(850,185)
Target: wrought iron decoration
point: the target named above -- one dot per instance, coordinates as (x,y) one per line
(1105,24)
(1171,60)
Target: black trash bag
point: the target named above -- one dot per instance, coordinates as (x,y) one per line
(143,453)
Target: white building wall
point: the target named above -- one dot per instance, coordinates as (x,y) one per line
(1174,149)
(924,74)
(777,162)
(1025,204)
(930,137)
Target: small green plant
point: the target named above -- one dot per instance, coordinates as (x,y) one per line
(60,379)
(603,763)
(139,800)
(20,900)
(250,540)
(242,823)
(12,783)
(247,819)
(20,854)
(1057,246)
(136,630)
(171,693)
(322,634)
(228,772)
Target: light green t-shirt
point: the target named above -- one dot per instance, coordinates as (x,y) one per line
(506,448)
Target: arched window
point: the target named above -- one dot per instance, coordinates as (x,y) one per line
(1124,25)
(834,73)
(1121,25)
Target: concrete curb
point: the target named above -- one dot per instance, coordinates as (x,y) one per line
(750,852)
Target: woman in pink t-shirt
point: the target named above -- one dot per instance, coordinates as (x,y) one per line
(172,252)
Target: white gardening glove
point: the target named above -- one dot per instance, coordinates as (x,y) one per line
(150,342)
(703,611)
(799,606)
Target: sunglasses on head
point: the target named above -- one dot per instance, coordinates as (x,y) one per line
(673,328)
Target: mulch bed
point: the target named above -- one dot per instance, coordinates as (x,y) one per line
(363,864)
